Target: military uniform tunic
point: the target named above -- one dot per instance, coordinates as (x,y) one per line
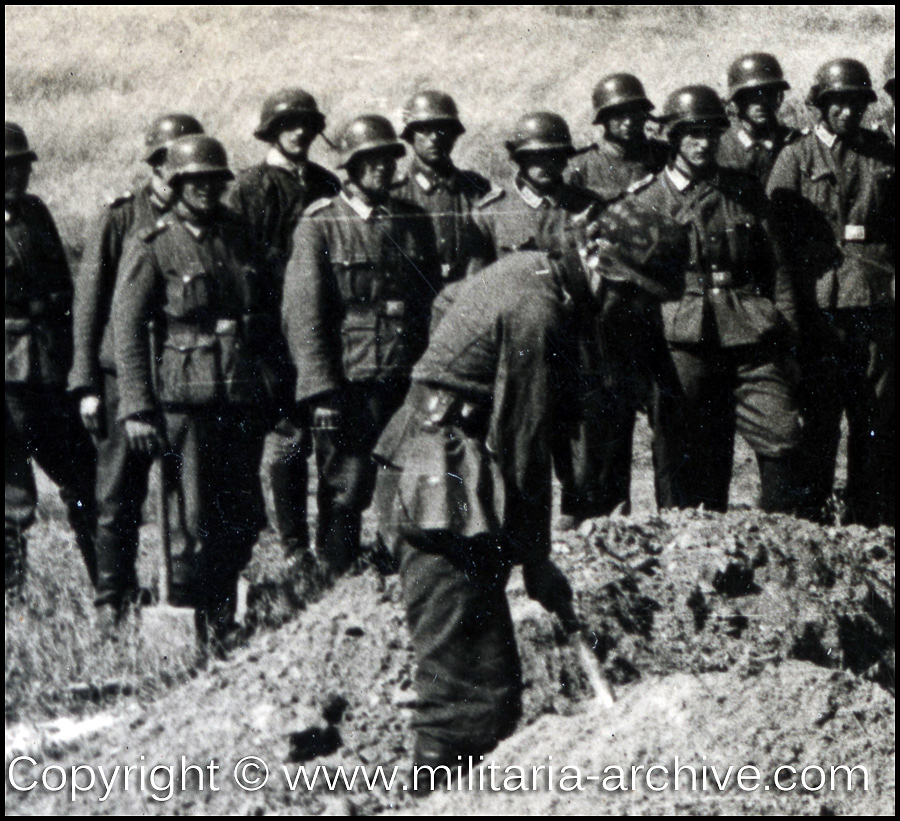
(448,201)
(198,367)
(729,339)
(41,420)
(833,204)
(611,171)
(742,152)
(358,294)
(465,492)
(122,473)
(271,197)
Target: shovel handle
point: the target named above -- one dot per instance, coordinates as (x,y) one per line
(165,553)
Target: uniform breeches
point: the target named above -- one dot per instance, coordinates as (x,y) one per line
(122,475)
(468,677)
(214,496)
(848,367)
(346,470)
(286,461)
(718,391)
(633,358)
(42,424)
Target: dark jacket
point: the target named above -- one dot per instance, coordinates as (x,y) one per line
(473,442)
(271,198)
(734,293)
(610,172)
(38,297)
(833,213)
(358,293)
(96,282)
(738,150)
(201,296)
(448,203)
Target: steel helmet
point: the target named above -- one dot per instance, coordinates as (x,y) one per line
(430,107)
(163,130)
(369,132)
(889,73)
(617,91)
(195,154)
(17,147)
(540,131)
(842,76)
(753,71)
(289,103)
(694,105)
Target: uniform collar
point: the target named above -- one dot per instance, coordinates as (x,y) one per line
(679,181)
(429,181)
(745,139)
(362,209)
(825,136)
(532,198)
(198,232)
(275,159)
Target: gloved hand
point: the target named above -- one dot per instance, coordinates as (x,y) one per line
(91,410)
(548,585)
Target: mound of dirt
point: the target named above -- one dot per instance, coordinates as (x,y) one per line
(742,638)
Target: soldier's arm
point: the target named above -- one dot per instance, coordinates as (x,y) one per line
(783,191)
(92,302)
(310,316)
(59,282)
(135,295)
(519,436)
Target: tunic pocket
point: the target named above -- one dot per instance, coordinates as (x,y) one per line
(188,370)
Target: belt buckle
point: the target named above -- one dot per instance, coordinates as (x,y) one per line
(721,279)
(394,308)
(446,270)
(226,326)
(854,233)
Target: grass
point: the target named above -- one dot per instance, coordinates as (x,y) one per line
(86,80)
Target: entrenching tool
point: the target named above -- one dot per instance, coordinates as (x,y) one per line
(170,625)
(551,589)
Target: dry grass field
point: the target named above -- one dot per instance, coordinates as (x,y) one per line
(85,81)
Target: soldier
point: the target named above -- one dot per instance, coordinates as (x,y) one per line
(629,340)
(358,292)
(272,197)
(431,126)
(535,214)
(625,154)
(542,211)
(189,276)
(465,493)
(121,472)
(832,196)
(756,87)
(730,334)
(41,420)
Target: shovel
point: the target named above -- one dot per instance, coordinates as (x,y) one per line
(551,589)
(168,626)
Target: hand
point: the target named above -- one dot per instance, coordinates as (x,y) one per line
(548,585)
(142,436)
(326,418)
(91,410)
